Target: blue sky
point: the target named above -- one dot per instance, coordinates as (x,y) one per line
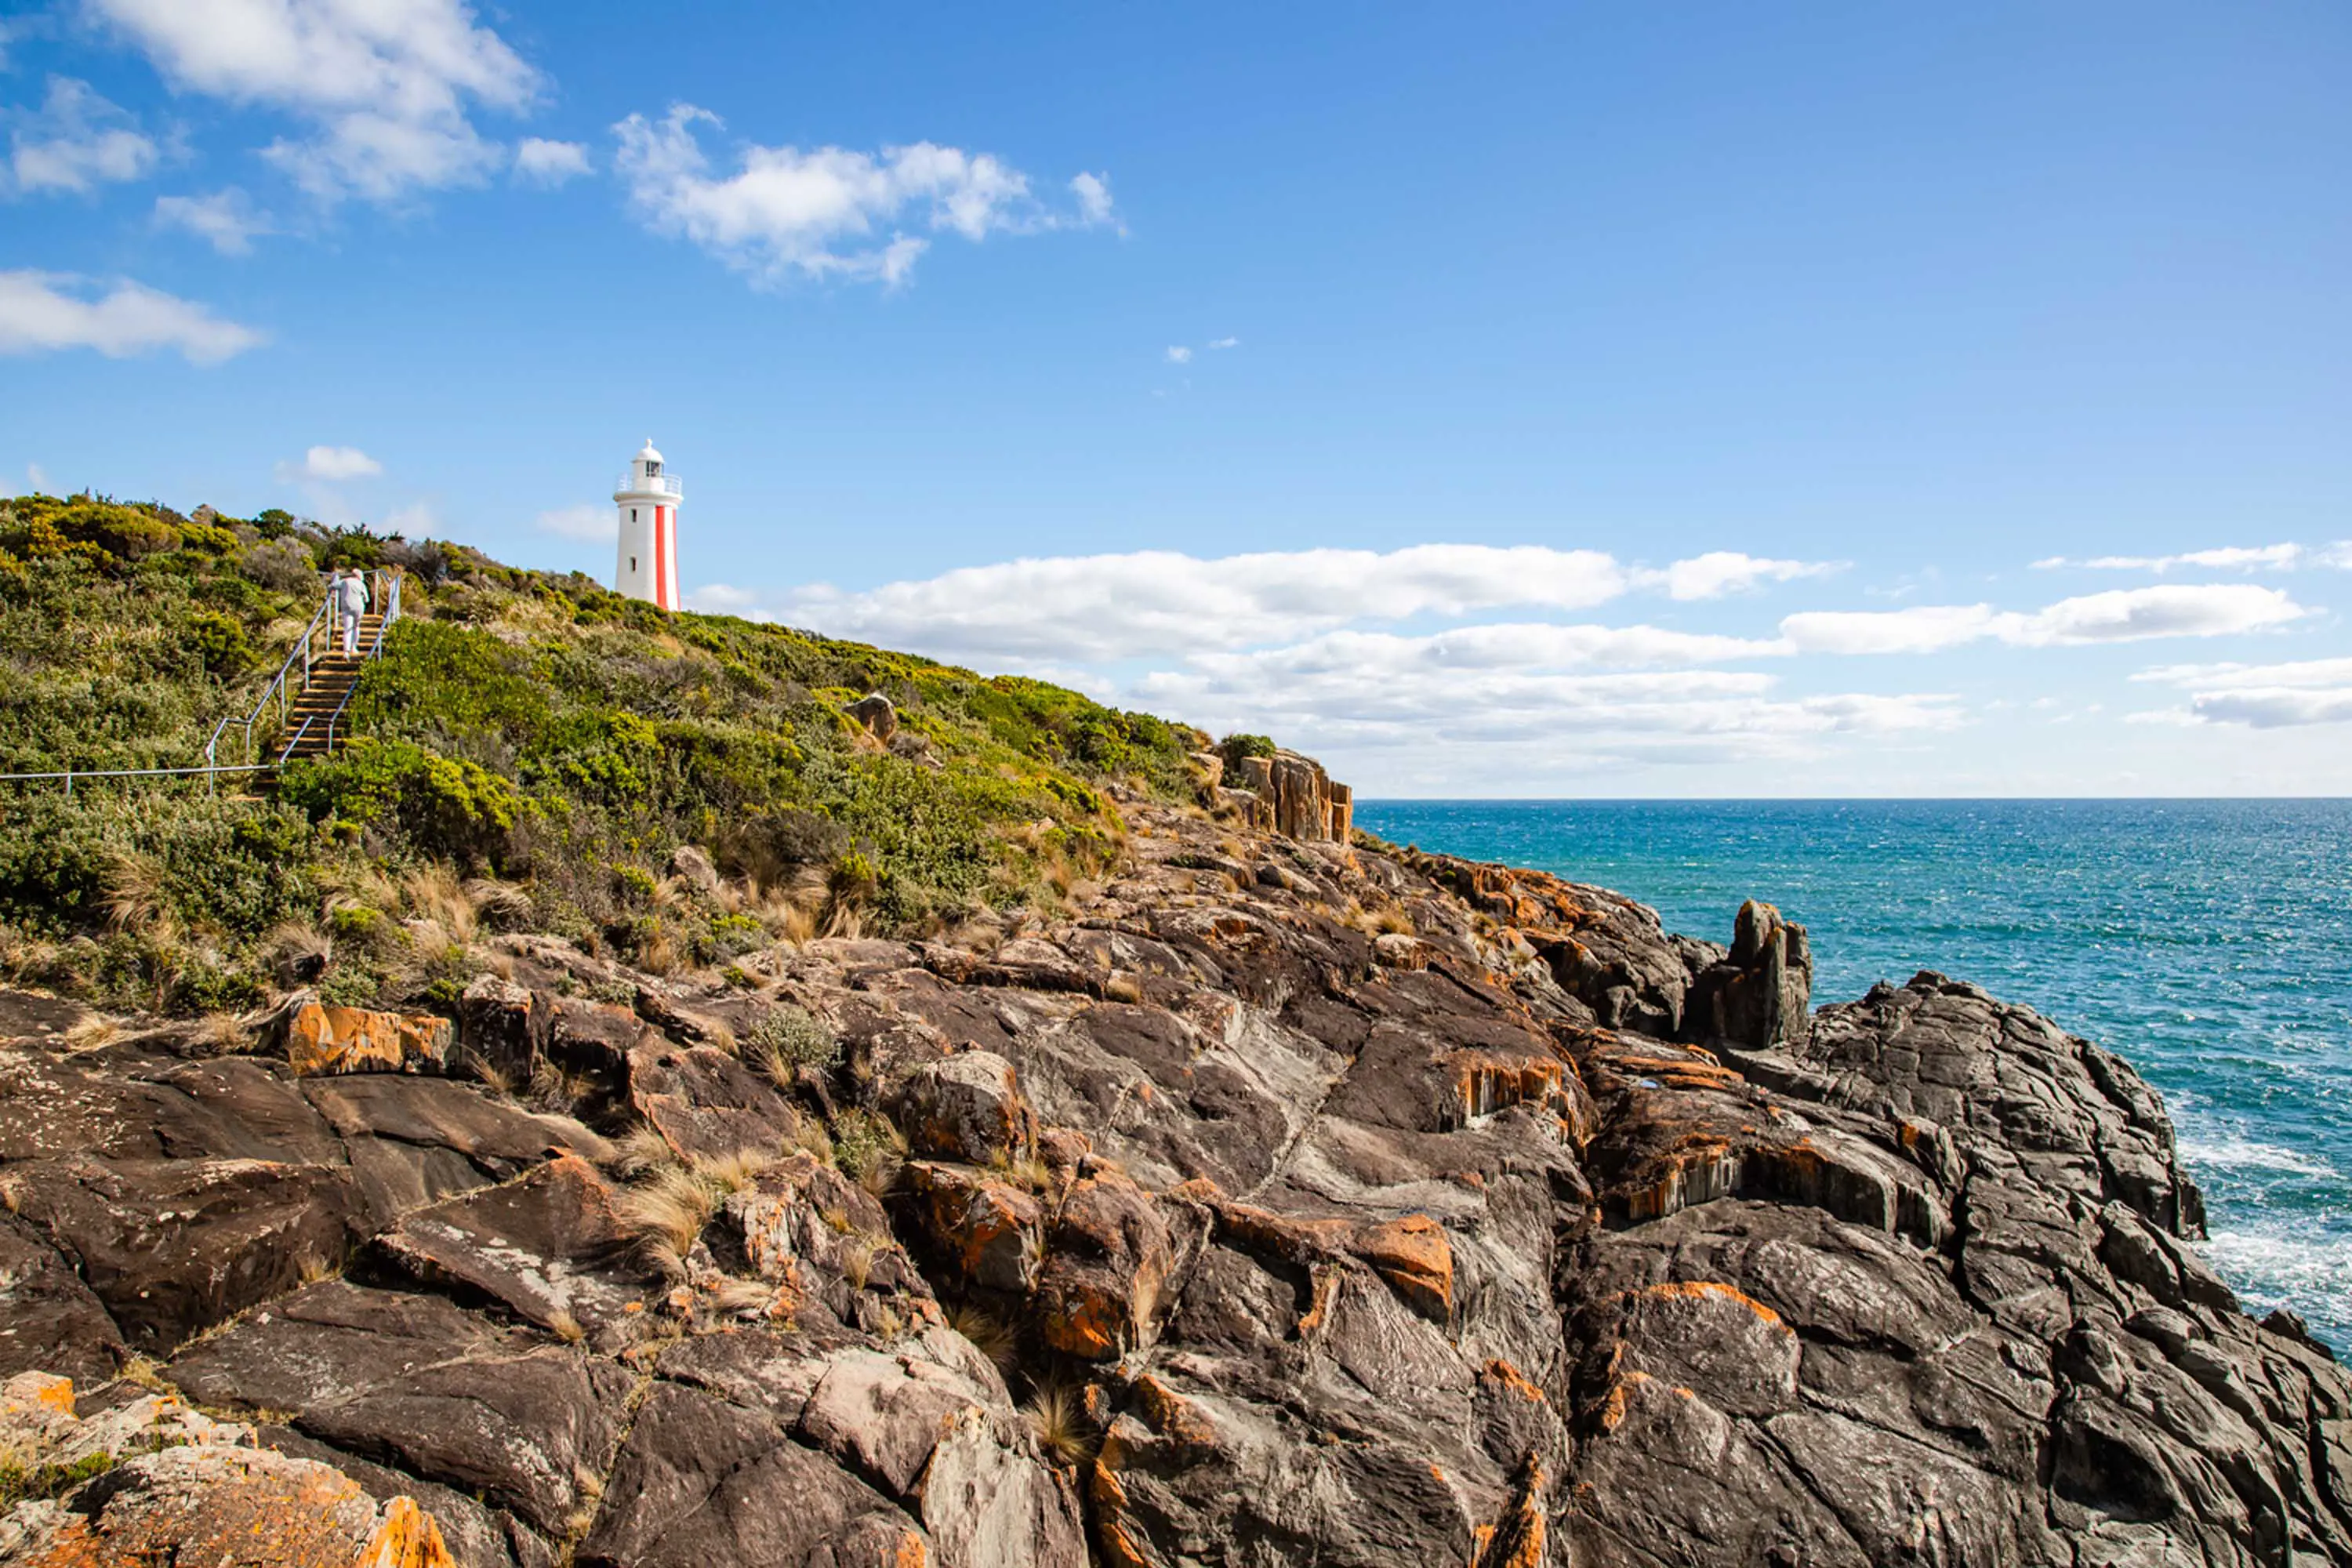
(1357,374)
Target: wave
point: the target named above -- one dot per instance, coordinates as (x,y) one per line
(2247,1154)
(2272,1267)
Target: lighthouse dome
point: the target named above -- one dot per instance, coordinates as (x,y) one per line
(646,453)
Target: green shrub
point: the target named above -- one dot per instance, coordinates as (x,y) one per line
(1234,748)
(441,806)
(793,1038)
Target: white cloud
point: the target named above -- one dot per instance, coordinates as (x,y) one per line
(1721,572)
(77,141)
(37,478)
(2124,614)
(332,464)
(2262,696)
(1178,354)
(40,312)
(225,220)
(1092,192)
(1224,343)
(1668,716)
(2218,677)
(386,86)
(1117,606)
(824,213)
(2275,708)
(2236,557)
(597,525)
(545,162)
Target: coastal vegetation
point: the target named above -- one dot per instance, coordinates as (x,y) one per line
(533,750)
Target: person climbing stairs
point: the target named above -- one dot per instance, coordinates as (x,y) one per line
(309,722)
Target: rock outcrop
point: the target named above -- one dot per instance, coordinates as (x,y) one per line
(1286,1201)
(1292,796)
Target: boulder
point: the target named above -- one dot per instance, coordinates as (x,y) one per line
(172,1247)
(166,1484)
(967,1106)
(503,1028)
(691,863)
(322,1039)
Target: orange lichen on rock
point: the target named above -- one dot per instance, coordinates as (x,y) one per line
(1706,1290)
(220,1503)
(34,1393)
(322,1039)
(1413,1256)
(1171,1415)
(407,1537)
(1701,1170)
(1511,1378)
(1485,1083)
(1517,1540)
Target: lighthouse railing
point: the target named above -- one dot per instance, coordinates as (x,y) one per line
(654,484)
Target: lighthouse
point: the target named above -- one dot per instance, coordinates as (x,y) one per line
(646,565)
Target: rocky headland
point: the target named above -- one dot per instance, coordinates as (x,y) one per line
(1287,1197)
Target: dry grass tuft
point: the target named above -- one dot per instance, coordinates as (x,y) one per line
(435,893)
(640,1150)
(741,1296)
(671,1205)
(490,1075)
(989,1334)
(24,957)
(554,1089)
(858,1256)
(880,1178)
(298,951)
(732,1173)
(501,904)
(137,898)
(566,1327)
(91,1032)
(1058,1414)
(659,953)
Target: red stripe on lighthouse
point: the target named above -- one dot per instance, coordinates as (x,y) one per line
(661,562)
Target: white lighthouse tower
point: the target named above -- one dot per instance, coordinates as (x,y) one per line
(646,565)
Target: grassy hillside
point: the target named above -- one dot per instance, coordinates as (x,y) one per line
(530,750)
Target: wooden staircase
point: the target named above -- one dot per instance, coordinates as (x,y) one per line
(332,679)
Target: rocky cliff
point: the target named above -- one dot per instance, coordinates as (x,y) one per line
(1290,1201)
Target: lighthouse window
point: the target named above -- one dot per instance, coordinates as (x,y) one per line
(652,469)
(633,515)
(633,562)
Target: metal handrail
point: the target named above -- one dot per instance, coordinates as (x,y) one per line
(387,592)
(72,773)
(391,614)
(276,687)
(651,484)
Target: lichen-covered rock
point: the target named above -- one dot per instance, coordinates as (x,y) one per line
(968,1106)
(502,1028)
(322,1039)
(153,1481)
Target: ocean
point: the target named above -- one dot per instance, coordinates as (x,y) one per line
(2208,941)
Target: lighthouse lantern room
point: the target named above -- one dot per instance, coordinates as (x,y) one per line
(646,565)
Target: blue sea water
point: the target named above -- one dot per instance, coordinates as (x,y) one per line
(2208,941)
